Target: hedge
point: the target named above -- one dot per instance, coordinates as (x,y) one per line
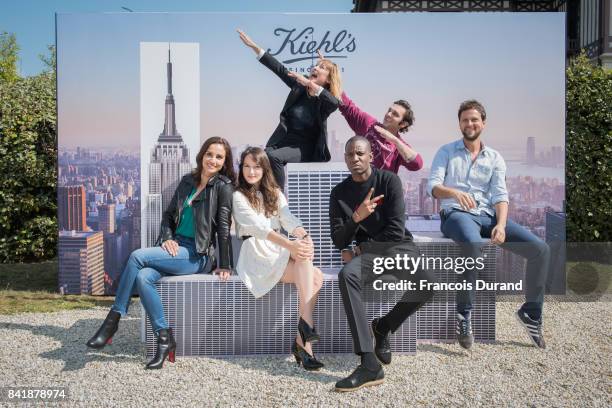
(588,166)
(28,157)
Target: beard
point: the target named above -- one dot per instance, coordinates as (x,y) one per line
(473,137)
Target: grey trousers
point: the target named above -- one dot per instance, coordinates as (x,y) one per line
(280,156)
(350,282)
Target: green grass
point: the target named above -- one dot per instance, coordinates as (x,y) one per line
(21,301)
(29,276)
(33,288)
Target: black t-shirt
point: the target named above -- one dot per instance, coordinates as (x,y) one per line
(386,224)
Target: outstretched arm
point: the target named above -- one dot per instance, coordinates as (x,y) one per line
(329,102)
(269,61)
(249,43)
(410,158)
(312,88)
(357,119)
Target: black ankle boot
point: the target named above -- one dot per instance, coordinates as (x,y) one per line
(166,347)
(105,333)
(309,362)
(307,333)
(382,347)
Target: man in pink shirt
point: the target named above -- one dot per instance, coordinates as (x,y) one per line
(389,150)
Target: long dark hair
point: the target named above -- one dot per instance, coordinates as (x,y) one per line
(267,186)
(228,166)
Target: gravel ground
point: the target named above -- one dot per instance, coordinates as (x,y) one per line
(575,370)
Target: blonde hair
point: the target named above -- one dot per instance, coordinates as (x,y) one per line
(335,83)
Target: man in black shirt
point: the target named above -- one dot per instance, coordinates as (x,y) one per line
(368,207)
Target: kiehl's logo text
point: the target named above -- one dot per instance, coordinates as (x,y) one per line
(302,45)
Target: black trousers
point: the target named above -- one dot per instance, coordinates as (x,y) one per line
(281,155)
(350,281)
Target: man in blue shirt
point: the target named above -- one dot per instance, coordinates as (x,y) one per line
(470,180)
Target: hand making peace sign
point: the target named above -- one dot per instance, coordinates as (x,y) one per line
(367,207)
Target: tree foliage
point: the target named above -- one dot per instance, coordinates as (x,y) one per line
(8,58)
(28,157)
(589,152)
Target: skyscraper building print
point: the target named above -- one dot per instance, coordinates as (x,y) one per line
(81,258)
(169,162)
(71,208)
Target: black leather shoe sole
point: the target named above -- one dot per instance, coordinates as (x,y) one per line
(365,384)
(97,345)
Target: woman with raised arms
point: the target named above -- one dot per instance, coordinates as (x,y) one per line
(301,135)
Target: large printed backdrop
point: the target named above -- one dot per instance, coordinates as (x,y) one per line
(113,103)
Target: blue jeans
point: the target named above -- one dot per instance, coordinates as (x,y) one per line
(145,267)
(469,229)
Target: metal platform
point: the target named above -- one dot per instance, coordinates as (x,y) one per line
(209,317)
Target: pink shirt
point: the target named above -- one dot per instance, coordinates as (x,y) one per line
(386,155)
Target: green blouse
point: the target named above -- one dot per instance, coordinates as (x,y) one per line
(186,226)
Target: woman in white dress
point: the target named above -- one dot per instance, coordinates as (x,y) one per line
(266,256)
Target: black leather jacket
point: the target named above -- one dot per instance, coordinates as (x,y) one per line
(212,217)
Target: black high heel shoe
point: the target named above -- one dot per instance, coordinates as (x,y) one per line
(166,347)
(105,333)
(307,333)
(309,362)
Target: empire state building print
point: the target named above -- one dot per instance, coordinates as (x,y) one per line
(169,162)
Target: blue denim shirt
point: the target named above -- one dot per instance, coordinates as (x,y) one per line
(484,179)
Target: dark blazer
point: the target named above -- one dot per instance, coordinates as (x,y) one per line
(212,217)
(326,103)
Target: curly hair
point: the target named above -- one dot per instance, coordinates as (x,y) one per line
(267,186)
(408,115)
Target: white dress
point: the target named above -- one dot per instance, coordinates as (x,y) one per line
(261,263)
